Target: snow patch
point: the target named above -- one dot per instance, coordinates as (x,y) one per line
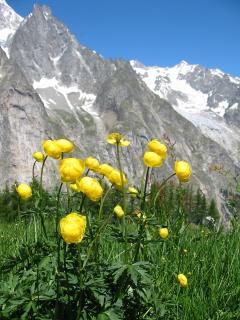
(220,110)
(234,106)
(86,99)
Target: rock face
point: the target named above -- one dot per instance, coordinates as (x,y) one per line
(23,122)
(53,86)
(9,23)
(207,97)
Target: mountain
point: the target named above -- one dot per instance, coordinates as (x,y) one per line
(209,98)
(74,92)
(9,23)
(23,122)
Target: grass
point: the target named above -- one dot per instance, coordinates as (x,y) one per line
(208,258)
(122,269)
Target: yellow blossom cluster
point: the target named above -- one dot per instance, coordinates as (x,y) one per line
(72,170)
(55,148)
(156,153)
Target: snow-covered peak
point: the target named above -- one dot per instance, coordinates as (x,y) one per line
(190,87)
(9,22)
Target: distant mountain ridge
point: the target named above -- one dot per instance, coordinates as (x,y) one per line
(208,98)
(73,92)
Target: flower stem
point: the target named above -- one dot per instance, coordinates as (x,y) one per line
(141,228)
(57,209)
(65,270)
(33,170)
(161,187)
(82,202)
(41,198)
(102,202)
(145,190)
(58,252)
(18,209)
(124,203)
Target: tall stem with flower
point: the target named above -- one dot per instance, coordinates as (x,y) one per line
(118,140)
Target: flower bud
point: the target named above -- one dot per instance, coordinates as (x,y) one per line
(163,232)
(182,280)
(51,149)
(38,156)
(118,211)
(65,145)
(72,227)
(152,160)
(91,187)
(183,170)
(92,163)
(158,147)
(71,169)
(24,191)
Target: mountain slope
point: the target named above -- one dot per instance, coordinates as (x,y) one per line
(23,123)
(86,96)
(206,97)
(9,23)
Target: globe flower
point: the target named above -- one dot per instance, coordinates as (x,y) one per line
(104,169)
(118,211)
(163,232)
(117,139)
(92,163)
(182,280)
(71,169)
(65,145)
(152,160)
(52,149)
(183,170)
(140,214)
(74,187)
(133,191)
(158,147)
(38,156)
(117,178)
(24,191)
(72,227)
(91,187)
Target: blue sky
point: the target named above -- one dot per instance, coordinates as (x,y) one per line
(155,32)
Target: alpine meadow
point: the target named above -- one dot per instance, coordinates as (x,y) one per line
(120,181)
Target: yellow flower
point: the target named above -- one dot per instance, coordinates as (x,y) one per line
(92,163)
(91,187)
(182,279)
(72,227)
(117,179)
(52,149)
(119,211)
(117,139)
(133,191)
(163,232)
(74,187)
(38,156)
(152,160)
(183,170)
(140,214)
(158,147)
(65,145)
(104,169)
(24,191)
(71,169)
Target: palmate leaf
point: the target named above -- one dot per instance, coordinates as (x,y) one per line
(111,314)
(142,270)
(118,270)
